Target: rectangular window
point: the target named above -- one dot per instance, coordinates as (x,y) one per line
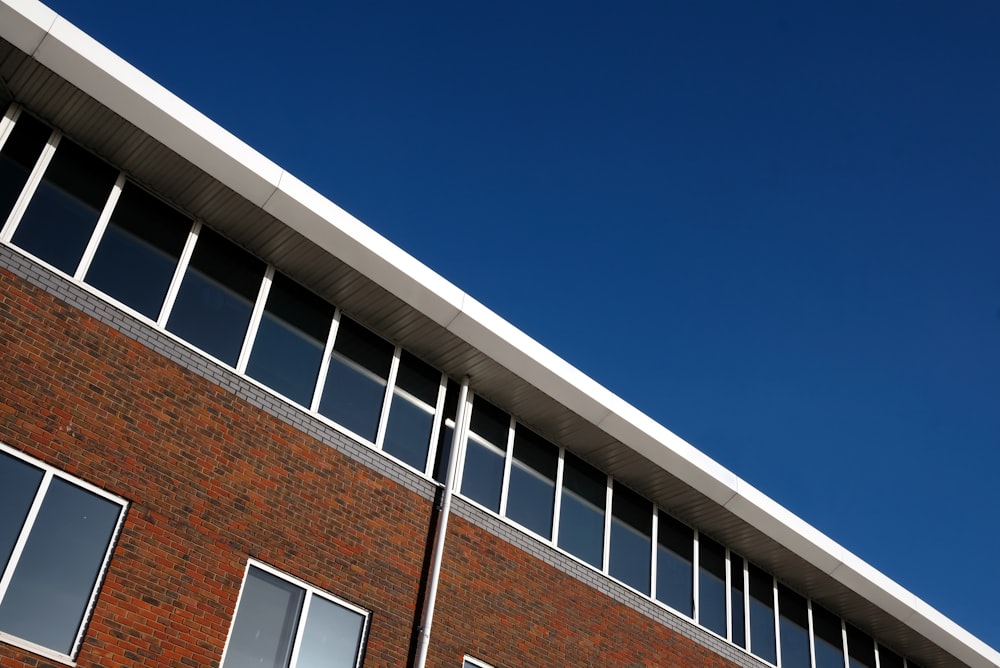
(711,585)
(216,298)
(762,640)
(411,413)
(794,627)
(469,662)
(62,214)
(531,493)
(17,158)
(889,659)
(675,564)
(631,538)
(56,536)
(581,514)
(447,432)
(291,337)
(138,254)
(357,378)
(281,622)
(829,642)
(860,649)
(485,454)
(737,601)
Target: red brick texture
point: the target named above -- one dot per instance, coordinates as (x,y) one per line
(212,480)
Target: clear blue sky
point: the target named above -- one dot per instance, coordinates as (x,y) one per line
(774,227)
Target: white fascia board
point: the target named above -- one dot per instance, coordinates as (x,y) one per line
(342,235)
(98,72)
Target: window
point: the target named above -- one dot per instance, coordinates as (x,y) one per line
(357,378)
(860,649)
(531,491)
(711,585)
(138,254)
(469,662)
(17,158)
(411,413)
(794,627)
(56,536)
(485,454)
(283,623)
(737,600)
(581,515)
(829,641)
(290,340)
(675,564)
(762,638)
(216,298)
(631,538)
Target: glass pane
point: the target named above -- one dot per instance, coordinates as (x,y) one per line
(711,585)
(356,379)
(139,250)
(737,602)
(332,636)
(794,621)
(411,413)
(265,623)
(64,210)
(581,515)
(447,432)
(216,297)
(19,483)
(17,158)
(828,640)
(762,641)
(531,494)
(860,649)
(57,571)
(631,538)
(675,565)
(888,659)
(482,474)
(289,345)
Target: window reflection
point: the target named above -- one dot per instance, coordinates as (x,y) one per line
(581,515)
(63,211)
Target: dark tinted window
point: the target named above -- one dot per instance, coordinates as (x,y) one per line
(860,649)
(737,602)
(889,659)
(17,158)
(216,297)
(19,483)
(794,621)
(482,474)
(675,564)
(62,214)
(581,516)
(357,378)
(829,642)
(532,491)
(290,340)
(265,623)
(762,641)
(138,254)
(443,449)
(411,413)
(631,538)
(712,585)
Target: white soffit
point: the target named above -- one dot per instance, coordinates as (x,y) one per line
(83,62)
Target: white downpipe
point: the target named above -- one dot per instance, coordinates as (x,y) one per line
(427,616)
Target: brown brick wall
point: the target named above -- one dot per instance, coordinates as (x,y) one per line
(212,479)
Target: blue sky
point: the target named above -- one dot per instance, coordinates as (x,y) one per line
(773,227)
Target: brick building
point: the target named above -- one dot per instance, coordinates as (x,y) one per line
(229,409)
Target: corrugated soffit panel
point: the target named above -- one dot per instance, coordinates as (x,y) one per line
(161,170)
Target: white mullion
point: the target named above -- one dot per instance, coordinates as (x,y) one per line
(654,540)
(175,283)
(30,186)
(878,654)
(557,505)
(324,365)
(390,390)
(843,644)
(812,633)
(22,538)
(255,316)
(746,601)
(608,500)
(102,225)
(301,626)
(508,456)
(729,596)
(696,576)
(438,422)
(8,122)
(777,622)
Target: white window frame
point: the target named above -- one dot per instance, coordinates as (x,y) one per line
(7,575)
(468,661)
(310,591)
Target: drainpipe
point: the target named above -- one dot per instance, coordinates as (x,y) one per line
(427,616)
